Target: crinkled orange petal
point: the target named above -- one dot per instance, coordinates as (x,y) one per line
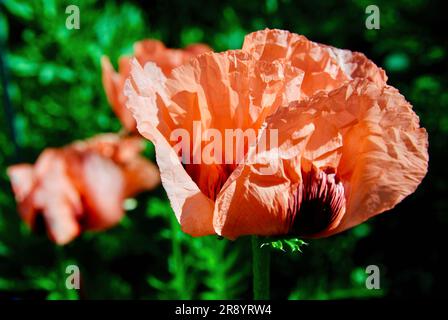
(368,135)
(378,149)
(230,90)
(336,119)
(385,153)
(257,197)
(144,51)
(193,210)
(221,91)
(326,68)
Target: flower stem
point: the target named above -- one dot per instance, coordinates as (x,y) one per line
(180,274)
(260,269)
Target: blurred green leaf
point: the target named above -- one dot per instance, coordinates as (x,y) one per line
(427,83)
(22,66)
(191,35)
(396,62)
(22,9)
(4,28)
(271,6)
(361,231)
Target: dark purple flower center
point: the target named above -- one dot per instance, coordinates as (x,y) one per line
(318,204)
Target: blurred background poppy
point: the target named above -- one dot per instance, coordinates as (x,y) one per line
(52,94)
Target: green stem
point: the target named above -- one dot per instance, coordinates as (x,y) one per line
(260,269)
(178,260)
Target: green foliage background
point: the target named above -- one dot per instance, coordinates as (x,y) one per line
(56,93)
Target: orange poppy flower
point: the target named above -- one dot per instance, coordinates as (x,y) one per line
(348,146)
(82,186)
(144,51)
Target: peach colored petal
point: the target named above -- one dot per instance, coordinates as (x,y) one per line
(326,68)
(251,202)
(103,190)
(82,186)
(256,199)
(197,48)
(109,168)
(166,59)
(339,126)
(53,195)
(385,154)
(230,90)
(113,86)
(153,50)
(193,210)
(381,157)
(144,51)
(140,175)
(221,91)
(22,180)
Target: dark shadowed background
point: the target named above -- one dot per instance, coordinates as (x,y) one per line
(53,77)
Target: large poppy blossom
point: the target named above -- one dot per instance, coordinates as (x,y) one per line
(144,51)
(82,186)
(349,145)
